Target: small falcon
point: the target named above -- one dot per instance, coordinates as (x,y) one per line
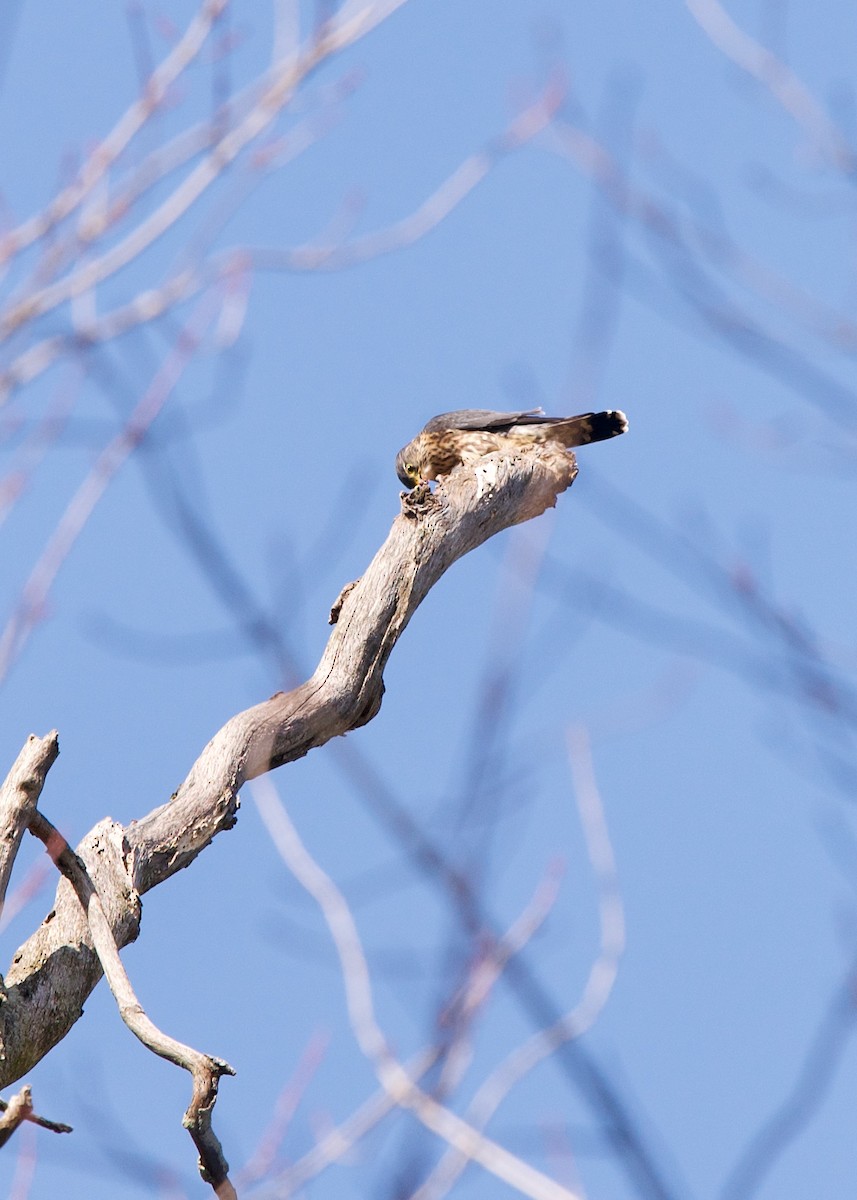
(468,434)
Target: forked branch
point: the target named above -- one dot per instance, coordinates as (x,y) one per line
(56,969)
(205,1070)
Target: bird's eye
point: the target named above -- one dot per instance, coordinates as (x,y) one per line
(411,471)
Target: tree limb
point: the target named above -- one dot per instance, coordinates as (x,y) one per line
(18,797)
(205,1069)
(19,1109)
(56,969)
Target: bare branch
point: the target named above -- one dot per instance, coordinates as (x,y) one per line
(490,961)
(56,969)
(37,444)
(19,1109)
(698,241)
(106,153)
(54,972)
(261,1161)
(599,984)
(337,1142)
(343,31)
(401,1087)
(19,795)
(345,692)
(324,254)
(336,256)
(431,858)
(206,1071)
(79,509)
(779,79)
(782,1129)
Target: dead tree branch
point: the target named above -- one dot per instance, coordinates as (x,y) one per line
(19,795)
(57,967)
(20,1109)
(206,1071)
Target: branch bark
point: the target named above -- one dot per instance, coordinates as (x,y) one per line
(18,797)
(205,1069)
(56,969)
(19,1109)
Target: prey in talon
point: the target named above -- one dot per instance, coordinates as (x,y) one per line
(465,436)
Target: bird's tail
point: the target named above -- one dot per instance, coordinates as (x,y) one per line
(589,427)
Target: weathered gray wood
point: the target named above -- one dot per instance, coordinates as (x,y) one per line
(54,972)
(56,968)
(19,1108)
(19,794)
(205,1069)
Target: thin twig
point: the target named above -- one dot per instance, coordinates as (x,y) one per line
(781,1130)
(337,1142)
(494,955)
(109,149)
(20,1108)
(390,1072)
(337,35)
(79,509)
(779,79)
(38,442)
(599,984)
(260,1162)
(35,879)
(320,255)
(205,1069)
(696,240)
(25,1166)
(336,256)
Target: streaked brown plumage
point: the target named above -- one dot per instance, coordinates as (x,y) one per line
(468,434)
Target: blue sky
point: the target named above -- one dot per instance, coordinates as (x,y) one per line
(732,834)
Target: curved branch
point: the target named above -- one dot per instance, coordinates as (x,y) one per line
(205,1069)
(56,969)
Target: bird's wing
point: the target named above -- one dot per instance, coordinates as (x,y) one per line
(484,418)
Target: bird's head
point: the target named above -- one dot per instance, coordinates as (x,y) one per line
(406,467)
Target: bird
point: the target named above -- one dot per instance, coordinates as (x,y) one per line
(464,436)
